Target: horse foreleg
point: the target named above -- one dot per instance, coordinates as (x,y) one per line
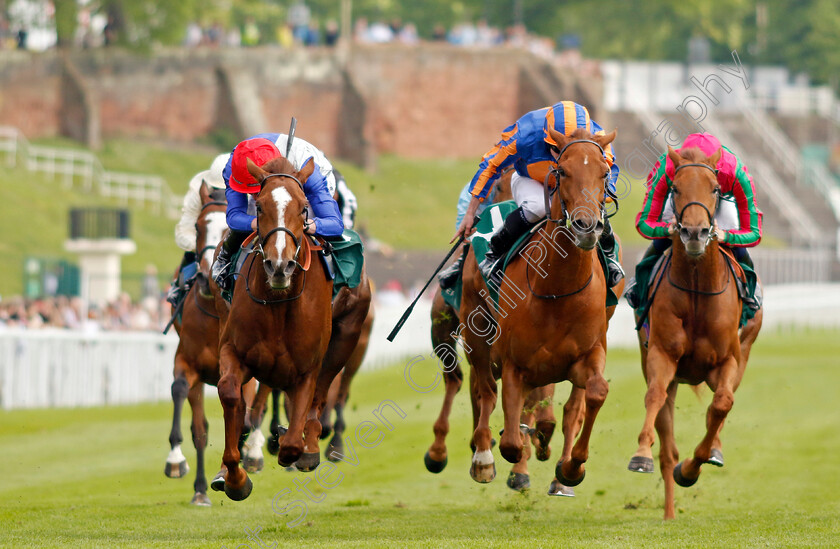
(176,463)
(329,406)
(519,479)
(668,453)
(350,369)
(300,403)
(545,421)
(274,425)
(436,457)
(573,413)
(513,398)
(660,370)
(237,485)
(572,472)
(483,468)
(687,472)
(199,436)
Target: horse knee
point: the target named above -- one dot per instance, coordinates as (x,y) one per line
(229,391)
(180,389)
(722,403)
(596,392)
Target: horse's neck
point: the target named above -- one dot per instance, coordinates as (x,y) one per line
(568,267)
(705,274)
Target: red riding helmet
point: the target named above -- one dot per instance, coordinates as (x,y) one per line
(260,151)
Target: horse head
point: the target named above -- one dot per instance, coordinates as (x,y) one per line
(695,193)
(209,227)
(282,210)
(581,177)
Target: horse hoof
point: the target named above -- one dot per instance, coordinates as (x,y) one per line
(176,470)
(201,500)
(288,458)
(483,473)
(218,482)
(434,466)
(308,461)
(558,473)
(334,451)
(716,458)
(518,481)
(253,465)
(640,464)
(241,493)
(557,489)
(273,445)
(681,480)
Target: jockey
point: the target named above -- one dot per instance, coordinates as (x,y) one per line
(737,216)
(346,200)
(528,146)
(319,190)
(185,233)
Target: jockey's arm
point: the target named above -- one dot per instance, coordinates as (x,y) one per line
(325,213)
(749,217)
(237,211)
(648,222)
(185,233)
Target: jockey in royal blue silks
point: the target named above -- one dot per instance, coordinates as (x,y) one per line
(319,188)
(530,149)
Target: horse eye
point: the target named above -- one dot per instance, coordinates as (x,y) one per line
(561,172)
(606,174)
(259,208)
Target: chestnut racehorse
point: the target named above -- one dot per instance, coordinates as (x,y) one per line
(197,355)
(694,335)
(557,330)
(279,323)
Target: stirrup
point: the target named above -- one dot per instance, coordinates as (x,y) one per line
(448,276)
(488,265)
(615,272)
(631,295)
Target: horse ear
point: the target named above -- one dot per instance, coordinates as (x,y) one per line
(258,173)
(307,170)
(715,158)
(605,140)
(675,157)
(558,138)
(204,192)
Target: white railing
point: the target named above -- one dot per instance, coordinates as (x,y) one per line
(773,138)
(63,368)
(83,166)
(792,266)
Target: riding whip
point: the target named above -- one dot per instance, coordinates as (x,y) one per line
(176,312)
(408,311)
(291,138)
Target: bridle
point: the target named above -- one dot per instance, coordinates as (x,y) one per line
(258,247)
(549,190)
(707,233)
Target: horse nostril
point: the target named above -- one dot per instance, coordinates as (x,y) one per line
(582,226)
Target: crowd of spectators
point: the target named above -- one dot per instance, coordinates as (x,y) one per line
(71,313)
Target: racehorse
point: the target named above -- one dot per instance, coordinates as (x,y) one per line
(694,335)
(197,355)
(565,284)
(279,323)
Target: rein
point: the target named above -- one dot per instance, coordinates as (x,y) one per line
(563,219)
(700,292)
(202,309)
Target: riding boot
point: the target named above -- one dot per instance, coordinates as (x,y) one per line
(449,276)
(607,241)
(743,257)
(222,266)
(515,226)
(186,271)
(632,293)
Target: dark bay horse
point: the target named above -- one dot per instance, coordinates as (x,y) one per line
(279,323)
(556,328)
(694,335)
(197,355)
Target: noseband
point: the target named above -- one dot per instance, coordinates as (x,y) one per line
(709,213)
(555,171)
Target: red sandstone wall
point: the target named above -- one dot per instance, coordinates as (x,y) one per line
(30,93)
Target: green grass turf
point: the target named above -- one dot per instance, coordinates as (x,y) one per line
(407,204)
(94,477)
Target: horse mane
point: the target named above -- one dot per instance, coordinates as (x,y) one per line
(581,133)
(694,154)
(279,164)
